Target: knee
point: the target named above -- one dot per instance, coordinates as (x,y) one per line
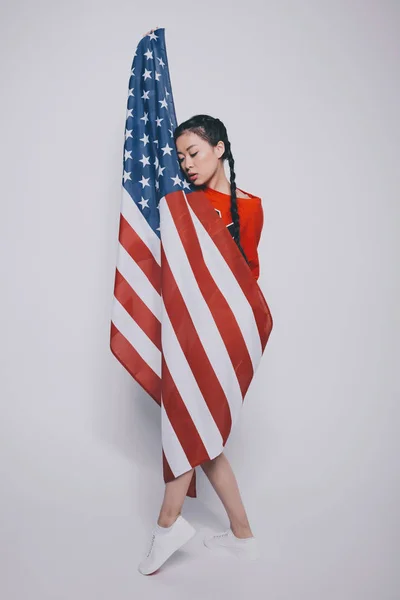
(208,463)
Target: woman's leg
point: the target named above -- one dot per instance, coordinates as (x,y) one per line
(174,496)
(223,480)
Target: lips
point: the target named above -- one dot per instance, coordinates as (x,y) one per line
(193,176)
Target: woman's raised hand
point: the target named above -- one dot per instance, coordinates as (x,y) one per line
(151,31)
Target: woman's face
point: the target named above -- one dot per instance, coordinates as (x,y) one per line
(198,157)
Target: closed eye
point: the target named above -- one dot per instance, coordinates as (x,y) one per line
(181,159)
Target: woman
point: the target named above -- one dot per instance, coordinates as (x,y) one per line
(202,146)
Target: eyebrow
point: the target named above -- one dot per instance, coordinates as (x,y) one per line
(188,148)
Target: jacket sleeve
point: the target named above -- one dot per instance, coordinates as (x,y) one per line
(250,232)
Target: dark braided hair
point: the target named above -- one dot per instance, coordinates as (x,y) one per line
(212,131)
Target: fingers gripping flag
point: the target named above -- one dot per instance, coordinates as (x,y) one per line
(189,321)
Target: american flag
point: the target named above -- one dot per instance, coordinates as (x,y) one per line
(189,321)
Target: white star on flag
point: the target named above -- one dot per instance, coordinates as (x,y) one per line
(176,180)
(145,181)
(145,160)
(167,149)
(144,203)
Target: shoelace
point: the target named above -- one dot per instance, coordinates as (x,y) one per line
(222,534)
(151,545)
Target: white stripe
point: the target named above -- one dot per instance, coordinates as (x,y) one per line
(136,220)
(138,281)
(136,336)
(171,445)
(232,291)
(188,388)
(200,313)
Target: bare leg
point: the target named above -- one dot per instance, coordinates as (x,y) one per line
(174,496)
(223,480)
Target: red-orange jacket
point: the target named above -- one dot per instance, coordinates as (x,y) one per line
(251,218)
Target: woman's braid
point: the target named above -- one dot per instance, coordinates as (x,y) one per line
(213,130)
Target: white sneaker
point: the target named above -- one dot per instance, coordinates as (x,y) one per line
(245,548)
(164,544)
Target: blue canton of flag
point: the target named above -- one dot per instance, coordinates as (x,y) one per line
(151,167)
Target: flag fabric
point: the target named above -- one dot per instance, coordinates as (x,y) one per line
(189,321)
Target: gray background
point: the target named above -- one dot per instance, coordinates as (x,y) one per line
(309,92)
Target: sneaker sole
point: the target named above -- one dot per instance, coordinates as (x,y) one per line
(236,551)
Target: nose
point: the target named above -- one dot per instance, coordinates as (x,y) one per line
(188,165)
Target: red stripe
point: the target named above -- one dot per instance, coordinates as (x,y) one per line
(217,230)
(216,301)
(195,354)
(140,253)
(181,421)
(137,309)
(134,364)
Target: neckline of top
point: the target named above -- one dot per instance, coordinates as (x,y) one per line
(228,195)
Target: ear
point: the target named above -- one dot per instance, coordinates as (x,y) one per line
(219,149)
